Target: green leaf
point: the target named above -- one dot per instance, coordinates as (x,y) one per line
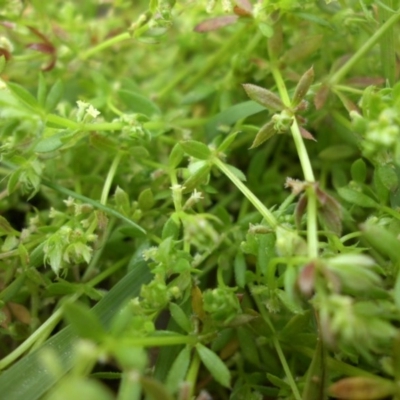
(23,95)
(265,132)
(264,97)
(354,197)
(6,228)
(180,317)
(175,156)
(138,103)
(359,170)
(227,142)
(215,365)
(146,199)
(196,149)
(3,63)
(199,177)
(83,321)
(49,144)
(240,269)
(171,228)
(80,388)
(231,115)
(28,379)
(178,370)
(55,95)
(388,177)
(237,172)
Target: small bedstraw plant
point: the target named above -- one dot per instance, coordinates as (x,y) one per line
(200,200)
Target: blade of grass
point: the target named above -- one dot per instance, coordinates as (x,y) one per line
(29,378)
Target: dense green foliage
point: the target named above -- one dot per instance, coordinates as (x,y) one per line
(199,198)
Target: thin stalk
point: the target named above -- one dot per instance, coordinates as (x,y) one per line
(374,39)
(388,53)
(110,176)
(266,214)
(104,45)
(312,222)
(192,374)
(159,341)
(278,349)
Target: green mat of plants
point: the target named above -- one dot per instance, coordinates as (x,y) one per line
(200,200)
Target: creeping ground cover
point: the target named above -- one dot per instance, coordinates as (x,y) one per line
(199,199)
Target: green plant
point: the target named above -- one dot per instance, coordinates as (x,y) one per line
(164,236)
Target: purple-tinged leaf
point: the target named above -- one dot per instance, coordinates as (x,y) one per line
(363,388)
(245,5)
(306,279)
(302,87)
(264,97)
(306,134)
(321,96)
(215,23)
(300,209)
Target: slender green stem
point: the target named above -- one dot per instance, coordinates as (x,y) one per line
(312,222)
(159,341)
(388,53)
(267,215)
(374,39)
(192,374)
(104,45)
(278,348)
(110,176)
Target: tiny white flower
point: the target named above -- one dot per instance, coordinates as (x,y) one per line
(92,111)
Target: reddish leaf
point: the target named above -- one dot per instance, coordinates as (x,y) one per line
(306,135)
(364,81)
(306,279)
(300,209)
(363,388)
(45,48)
(302,87)
(5,53)
(215,23)
(39,34)
(243,8)
(321,96)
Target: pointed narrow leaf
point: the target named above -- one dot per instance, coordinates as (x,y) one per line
(302,87)
(55,94)
(196,149)
(23,95)
(354,197)
(264,97)
(175,156)
(6,228)
(306,134)
(178,370)
(215,365)
(265,132)
(227,142)
(237,172)
(180,317)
